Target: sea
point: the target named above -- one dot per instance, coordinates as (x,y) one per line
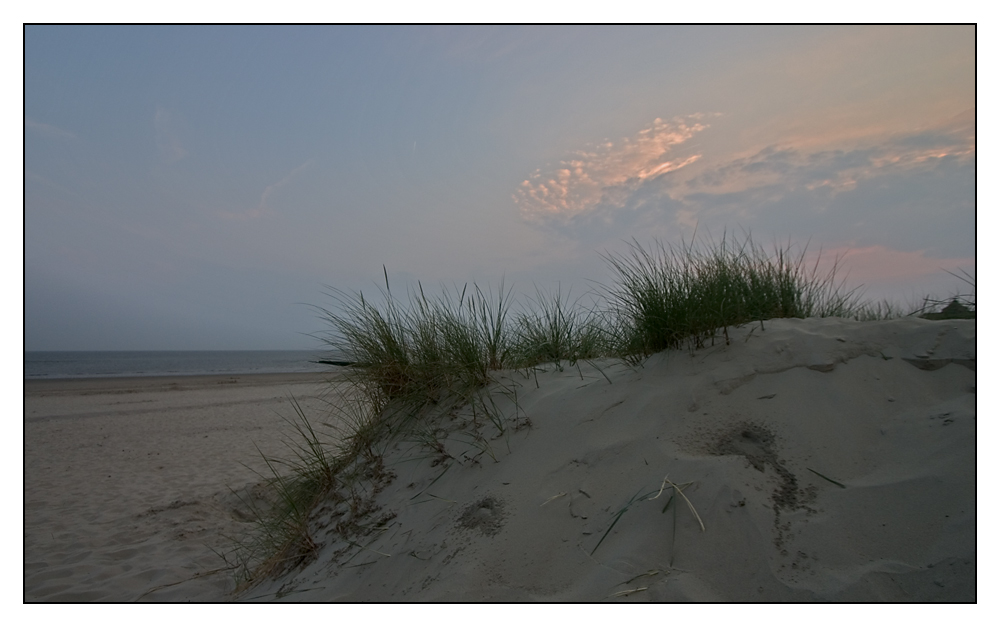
(84,364)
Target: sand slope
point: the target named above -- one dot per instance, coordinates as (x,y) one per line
(887,409)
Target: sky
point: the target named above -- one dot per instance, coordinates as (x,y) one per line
(206,188)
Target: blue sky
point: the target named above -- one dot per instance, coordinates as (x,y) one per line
(198,187)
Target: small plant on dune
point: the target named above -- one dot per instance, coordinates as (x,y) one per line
(557,330)
(669,297)
(424,348)
(281,538)
(343,466)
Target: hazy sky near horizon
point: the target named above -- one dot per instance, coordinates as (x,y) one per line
(199,187)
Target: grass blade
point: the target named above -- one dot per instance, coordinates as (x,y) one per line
(615,521)
(827,478)
(690,506)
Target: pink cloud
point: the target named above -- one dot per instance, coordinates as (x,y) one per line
(587,177)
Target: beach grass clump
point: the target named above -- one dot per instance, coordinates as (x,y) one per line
(669,297)
(293,486)
(555,329)
(422,348)
(341,466)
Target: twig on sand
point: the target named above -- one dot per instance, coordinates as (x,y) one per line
(615,521)
(627,592)
(552,498)
(648,573)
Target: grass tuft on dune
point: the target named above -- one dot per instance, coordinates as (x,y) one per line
(671,297)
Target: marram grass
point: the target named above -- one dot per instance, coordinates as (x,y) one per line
(671,297)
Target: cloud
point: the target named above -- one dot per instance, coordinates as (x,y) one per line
(610,183)
(607,172)
(262,208)
(48,130)
(167,142)
(833,171)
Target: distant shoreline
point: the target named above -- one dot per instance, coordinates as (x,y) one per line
(168,375)
(131,364)
(74,385)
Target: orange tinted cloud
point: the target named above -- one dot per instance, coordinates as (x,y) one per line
(629,172)
(580,182)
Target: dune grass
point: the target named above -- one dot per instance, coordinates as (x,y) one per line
(338,460)
(423,349)
(417,357)
(281,536)
(671,297)
(555,329)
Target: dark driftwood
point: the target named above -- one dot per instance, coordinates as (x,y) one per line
(333,363)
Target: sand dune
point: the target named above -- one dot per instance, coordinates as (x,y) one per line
(829,461)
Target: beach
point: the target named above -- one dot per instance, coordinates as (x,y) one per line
(802,460)
(128,484)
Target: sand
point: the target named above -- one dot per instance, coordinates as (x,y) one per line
(887,410)
(127,481)
(828,460)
